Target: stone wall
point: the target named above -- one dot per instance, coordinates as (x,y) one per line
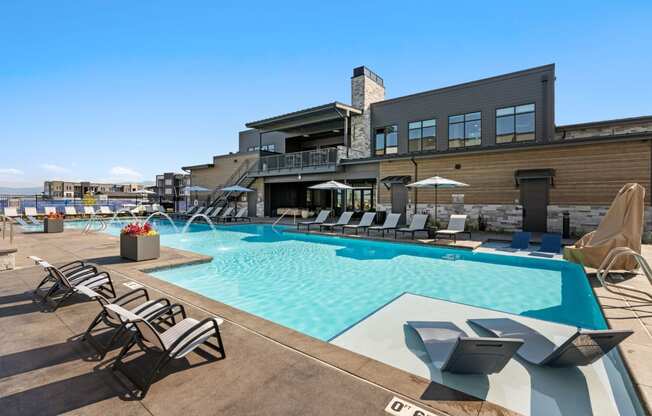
(586,218)
(364,92)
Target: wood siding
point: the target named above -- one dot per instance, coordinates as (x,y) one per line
(585,174)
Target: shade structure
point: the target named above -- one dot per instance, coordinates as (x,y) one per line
(330,186)
(436,182)
(236,188)
(195,188)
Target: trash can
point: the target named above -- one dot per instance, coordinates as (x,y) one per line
(565,233)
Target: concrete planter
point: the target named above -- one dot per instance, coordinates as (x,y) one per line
(141,247)
(53,225)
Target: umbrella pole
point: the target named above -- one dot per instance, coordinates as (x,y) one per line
(436,222)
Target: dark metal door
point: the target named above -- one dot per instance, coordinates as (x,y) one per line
(399,200)
(534,198)
(252,203)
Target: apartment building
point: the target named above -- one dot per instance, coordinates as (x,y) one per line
(64,189)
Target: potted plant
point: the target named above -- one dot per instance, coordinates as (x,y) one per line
(139,242)
(53,223)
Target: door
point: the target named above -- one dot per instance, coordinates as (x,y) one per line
(399,200)
(252,203)
(534,198)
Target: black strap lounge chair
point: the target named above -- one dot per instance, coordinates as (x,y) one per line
(344,219)
(451,350)
(323,215)
(584,347)
(456,226)
(75,271)
(391,223)
(63,288)
(241,215)
(136,301)
(176,342)
(365,222)
(418,224)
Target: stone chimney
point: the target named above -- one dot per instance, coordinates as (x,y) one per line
(366,88)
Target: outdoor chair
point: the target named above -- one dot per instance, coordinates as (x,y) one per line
(31,214)
(209,211)
(451,350)
(456,226)
(104,210)
(321,218)
(241,215)
(391,223)
(50,210)
(74,271)
(584,347)
(174,343)
(216,212)
(365,222)
(89,211)
(344,219)
(226,215)
(550,245)
(136,301)
(63,288)
(418,224)
(12,213)
(520,241)
(70,211)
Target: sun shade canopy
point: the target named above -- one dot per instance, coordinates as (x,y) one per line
(330,185)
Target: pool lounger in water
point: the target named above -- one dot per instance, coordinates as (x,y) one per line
(584,347)
(447,344)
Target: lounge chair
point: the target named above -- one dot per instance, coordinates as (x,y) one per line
(12,213)
(520,240)
(365,222)
(456,225)
(104,210)
(226,215)
(50,210)
(321,217)
(241,215)
(391,223)
(136,301)
(70,211)
(209,211)
(89,211)
(216,212)
(191,211)
(550,245)
(418,224)
(451,350)
(344,219)
(73,270)
(31,214)
(584,347)
(63,287)
(173,343)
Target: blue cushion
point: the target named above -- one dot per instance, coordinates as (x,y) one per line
(521,240)
(550,243)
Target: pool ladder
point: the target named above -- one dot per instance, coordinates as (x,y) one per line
(610,260)
(91,221)
(283,215)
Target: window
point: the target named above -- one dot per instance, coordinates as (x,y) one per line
(422,135)
(387,140)
(465,130)
(515,124)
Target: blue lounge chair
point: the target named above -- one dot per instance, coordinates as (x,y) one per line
(550,243)
(521,240)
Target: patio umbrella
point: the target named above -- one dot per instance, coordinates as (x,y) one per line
(237,189)
(194,188)
(332,186)
(436,182)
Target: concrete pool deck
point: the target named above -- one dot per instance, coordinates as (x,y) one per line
(269,369)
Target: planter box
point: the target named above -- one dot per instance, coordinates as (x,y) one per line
(139,248)
(53,226)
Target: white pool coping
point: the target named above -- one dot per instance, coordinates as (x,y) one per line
(603,388)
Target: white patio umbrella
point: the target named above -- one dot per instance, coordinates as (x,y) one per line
(436,182)
(237,189)
(194,188)
(332,186)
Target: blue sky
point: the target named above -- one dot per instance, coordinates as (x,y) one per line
(122,90)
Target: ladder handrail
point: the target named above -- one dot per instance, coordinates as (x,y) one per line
(608,262)
(283,215)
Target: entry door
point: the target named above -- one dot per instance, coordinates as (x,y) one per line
(534,198)
(252,203)
(399,199)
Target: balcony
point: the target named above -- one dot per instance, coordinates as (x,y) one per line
(310,161)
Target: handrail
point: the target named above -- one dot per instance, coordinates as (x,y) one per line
(298,160)
(283,215)
(235,179)
(608,262)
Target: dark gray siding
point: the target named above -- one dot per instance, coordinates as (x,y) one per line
(523,87)
(250,138)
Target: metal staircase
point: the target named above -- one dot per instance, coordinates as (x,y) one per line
(240,177)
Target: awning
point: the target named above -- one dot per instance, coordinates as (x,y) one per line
(401,179)
(315,115)
(525,174)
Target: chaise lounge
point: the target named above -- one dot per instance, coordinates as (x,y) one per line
(456,226)
(344,219)
(321,218)
(418,224)
(365,222)
(391,223)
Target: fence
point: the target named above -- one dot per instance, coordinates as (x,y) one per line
(39,202)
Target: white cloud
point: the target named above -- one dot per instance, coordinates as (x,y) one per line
(11,171)
(125,174)
(54,168)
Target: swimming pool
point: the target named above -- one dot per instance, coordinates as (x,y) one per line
(322,285)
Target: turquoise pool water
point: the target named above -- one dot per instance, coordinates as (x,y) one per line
(322,285)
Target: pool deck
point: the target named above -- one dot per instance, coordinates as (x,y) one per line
(269,369)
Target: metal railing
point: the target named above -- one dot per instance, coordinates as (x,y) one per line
(283,215)
(235,179)
(299,160)
(609,261)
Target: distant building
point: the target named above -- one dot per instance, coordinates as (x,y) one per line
(169,187)
(64,189)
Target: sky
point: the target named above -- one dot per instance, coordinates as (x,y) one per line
(124,90)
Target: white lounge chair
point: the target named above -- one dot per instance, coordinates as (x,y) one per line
(344,219)
(216,212)
(70,211)
(241,215)
(365,222)
(11,212)
(173,343)
(456,225)
(31,214)
(104,210)
(50,210)
(321,217)
(226,215)
(209,211)
(418,224)
(89,210)
(391,223)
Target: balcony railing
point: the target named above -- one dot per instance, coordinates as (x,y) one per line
(298,161)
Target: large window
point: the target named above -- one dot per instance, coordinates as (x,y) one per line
(422,135)
(387,140)
(515,124)
(465,130)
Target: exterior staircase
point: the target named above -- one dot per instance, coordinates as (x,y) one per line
(240,177)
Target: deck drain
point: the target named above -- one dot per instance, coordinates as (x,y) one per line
(400,407)
(133,285)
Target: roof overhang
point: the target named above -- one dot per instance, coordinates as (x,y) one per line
(525,174)
(297,120)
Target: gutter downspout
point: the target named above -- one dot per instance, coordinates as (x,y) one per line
(416,190)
